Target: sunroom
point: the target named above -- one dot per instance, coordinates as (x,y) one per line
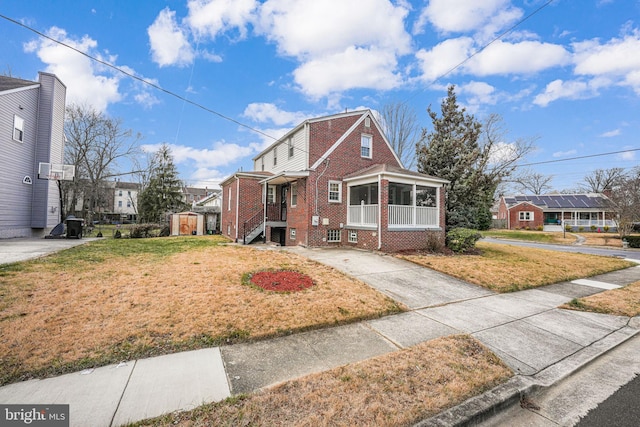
(404,199)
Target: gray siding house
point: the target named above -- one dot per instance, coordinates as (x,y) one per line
(31,131)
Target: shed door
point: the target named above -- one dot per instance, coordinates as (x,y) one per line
(188,223)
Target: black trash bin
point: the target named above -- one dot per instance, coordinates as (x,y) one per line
(74,227)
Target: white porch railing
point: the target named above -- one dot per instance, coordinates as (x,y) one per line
(589,222)
(412,216)
(363,215)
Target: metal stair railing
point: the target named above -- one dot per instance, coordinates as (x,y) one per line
(251,225)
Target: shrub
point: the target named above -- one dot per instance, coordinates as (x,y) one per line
(581,229)
(434,243)
(593,228)
(634,241)
(540,228)
(140,231)
(567,228)
(461,240)
(606,228)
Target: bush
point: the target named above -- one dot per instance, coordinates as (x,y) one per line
(462,240)
(540,228)
(606,228)
(434,243)
(634,241)
(140,231)
(568,228)
(593,228)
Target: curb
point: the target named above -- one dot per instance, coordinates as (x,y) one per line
(480,408)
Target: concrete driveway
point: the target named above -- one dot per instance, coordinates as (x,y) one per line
(23,249)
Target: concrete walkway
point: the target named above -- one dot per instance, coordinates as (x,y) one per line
(538,341)
(23,249)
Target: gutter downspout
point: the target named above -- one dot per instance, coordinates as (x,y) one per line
(380,212)
(237,206)
(264,223)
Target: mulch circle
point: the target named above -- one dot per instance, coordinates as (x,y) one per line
(281,281)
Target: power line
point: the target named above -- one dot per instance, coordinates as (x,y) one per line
(579,157)
(140,79)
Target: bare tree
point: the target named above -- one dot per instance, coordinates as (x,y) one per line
(95,144)
(602,179)
(532,182)
(401,128)
(625,196)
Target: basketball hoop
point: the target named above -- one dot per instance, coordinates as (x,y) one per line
(56,171)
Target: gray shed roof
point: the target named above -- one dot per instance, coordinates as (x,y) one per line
(562,201)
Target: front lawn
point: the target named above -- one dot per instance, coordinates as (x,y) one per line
(396,389)
(619,302)
(121,299)
(507,268)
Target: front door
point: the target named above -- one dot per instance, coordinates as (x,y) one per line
(283,203)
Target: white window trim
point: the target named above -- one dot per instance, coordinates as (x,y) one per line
(273,194)
(370,137)
(523,217)
(229,197)
(290,148)
(275,156)
(18,125)
(353,236)
(331,232)
(294,186)
(339,183)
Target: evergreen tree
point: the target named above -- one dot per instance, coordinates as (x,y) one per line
(163,192)
(451,151)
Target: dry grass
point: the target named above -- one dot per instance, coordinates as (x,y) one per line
(619,302)
(506,268)
(611,240)
(107,306)
(396,389)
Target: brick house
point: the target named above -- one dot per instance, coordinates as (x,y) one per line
(334,180)
(553,211)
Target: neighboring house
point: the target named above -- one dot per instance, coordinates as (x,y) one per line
(192,195)
(210,207)
(334,180)
(553,211)
(31,132)
(125,201)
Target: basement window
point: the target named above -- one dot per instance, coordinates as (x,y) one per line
(334,235)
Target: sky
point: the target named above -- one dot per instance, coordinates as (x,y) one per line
(235,74)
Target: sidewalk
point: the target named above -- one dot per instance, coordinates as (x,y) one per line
(541,343)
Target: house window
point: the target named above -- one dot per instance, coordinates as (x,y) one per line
(334,235)
(426,196)
(128,203)
(292,233)
(367,122)
(229,198)
(366,194)
(128,193)
(353,236)
(290,145)
(119,203)
(525,216)
(400,194)
(335,192)
(262,163)
(120,193)
(18,128)
(365,146)
(271,194)
(275,156)
(294,194)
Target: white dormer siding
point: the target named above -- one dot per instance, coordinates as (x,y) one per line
(291,154)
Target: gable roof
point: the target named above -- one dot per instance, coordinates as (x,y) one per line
(562,201)
(11,83)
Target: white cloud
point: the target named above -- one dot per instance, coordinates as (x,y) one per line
(449,16)
(627,155)
(610,133)
(478,94)
(169,42)
(565,153)
(220,154)
(572,89)
(310,28)
(443,57)
(214,17)
(340,45)
(525,57)
(263,112)
(353,68)
(88,83)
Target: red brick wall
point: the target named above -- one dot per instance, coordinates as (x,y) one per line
(514,216)
(298,216)
(248,205)
(395,241)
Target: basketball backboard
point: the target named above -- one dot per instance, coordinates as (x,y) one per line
(56,171)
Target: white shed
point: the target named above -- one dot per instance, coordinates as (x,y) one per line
(187,224)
